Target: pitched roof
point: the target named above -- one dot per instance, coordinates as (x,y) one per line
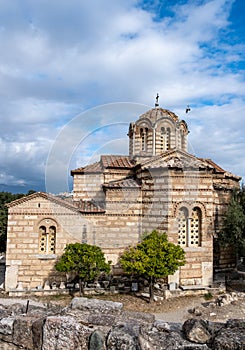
(65,203)
(129,182)
(218,169)
(89,207)
(80,206)
(106,161)
(182,160)
(115,161)
(213,165)
(172,159)
(89,169)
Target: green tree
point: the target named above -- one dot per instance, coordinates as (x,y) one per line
(86,261)
(5,197)
(153,258)
(233,232)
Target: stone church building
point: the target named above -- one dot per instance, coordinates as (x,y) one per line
(159,185)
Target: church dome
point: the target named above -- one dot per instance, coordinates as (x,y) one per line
(155,114)
(156,131)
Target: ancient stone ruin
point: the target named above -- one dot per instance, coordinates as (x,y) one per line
(90,324)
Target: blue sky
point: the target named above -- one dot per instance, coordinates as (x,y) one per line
(74,74)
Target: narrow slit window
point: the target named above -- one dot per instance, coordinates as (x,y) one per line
(144,138)
(168,134)
(163,140)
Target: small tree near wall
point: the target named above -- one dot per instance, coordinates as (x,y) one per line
(153,258)
(86,261)
(233,232)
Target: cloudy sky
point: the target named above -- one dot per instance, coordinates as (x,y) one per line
(74,73)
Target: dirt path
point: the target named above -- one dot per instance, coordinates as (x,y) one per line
(204,310)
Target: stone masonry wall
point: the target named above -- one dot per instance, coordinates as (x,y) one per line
(92,324)
(88,187)
(164,193)
(25,264)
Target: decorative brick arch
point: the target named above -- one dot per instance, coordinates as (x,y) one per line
(47,230)
(201,206)
(190,206)
(178,206)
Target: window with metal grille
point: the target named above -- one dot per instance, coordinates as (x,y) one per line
(47,238)
(182,227)
(195,227)
(165,139)
(189,228)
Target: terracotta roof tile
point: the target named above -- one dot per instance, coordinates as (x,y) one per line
(48,196)
(91,168)
(124,183)
(213,165)
(81,206)
(89,207)
(106,161)
(114,161)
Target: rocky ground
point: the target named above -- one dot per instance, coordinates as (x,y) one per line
(92,324)
(183,308)
(179,323)
(176,309)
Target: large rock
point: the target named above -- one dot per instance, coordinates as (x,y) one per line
(17,309)
(3,311)
(23,332)
(142,318)
(63,333)
(226,299)
(197,331)
(96,306)
(165,336)
(7,325)
(155,340)
(37,332)
(90,324)
(7,329)
(231,336)
(123,336)
(97,341)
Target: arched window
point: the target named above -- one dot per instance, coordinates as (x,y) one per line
(52,237)
(189,228)
(47,238)
(168,139)
(182,226)
(144,138)
(162,139)
(42,239)
(195,227)
(165,139)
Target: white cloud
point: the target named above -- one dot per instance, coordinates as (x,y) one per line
(59,58)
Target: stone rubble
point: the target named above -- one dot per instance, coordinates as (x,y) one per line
(90,324)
